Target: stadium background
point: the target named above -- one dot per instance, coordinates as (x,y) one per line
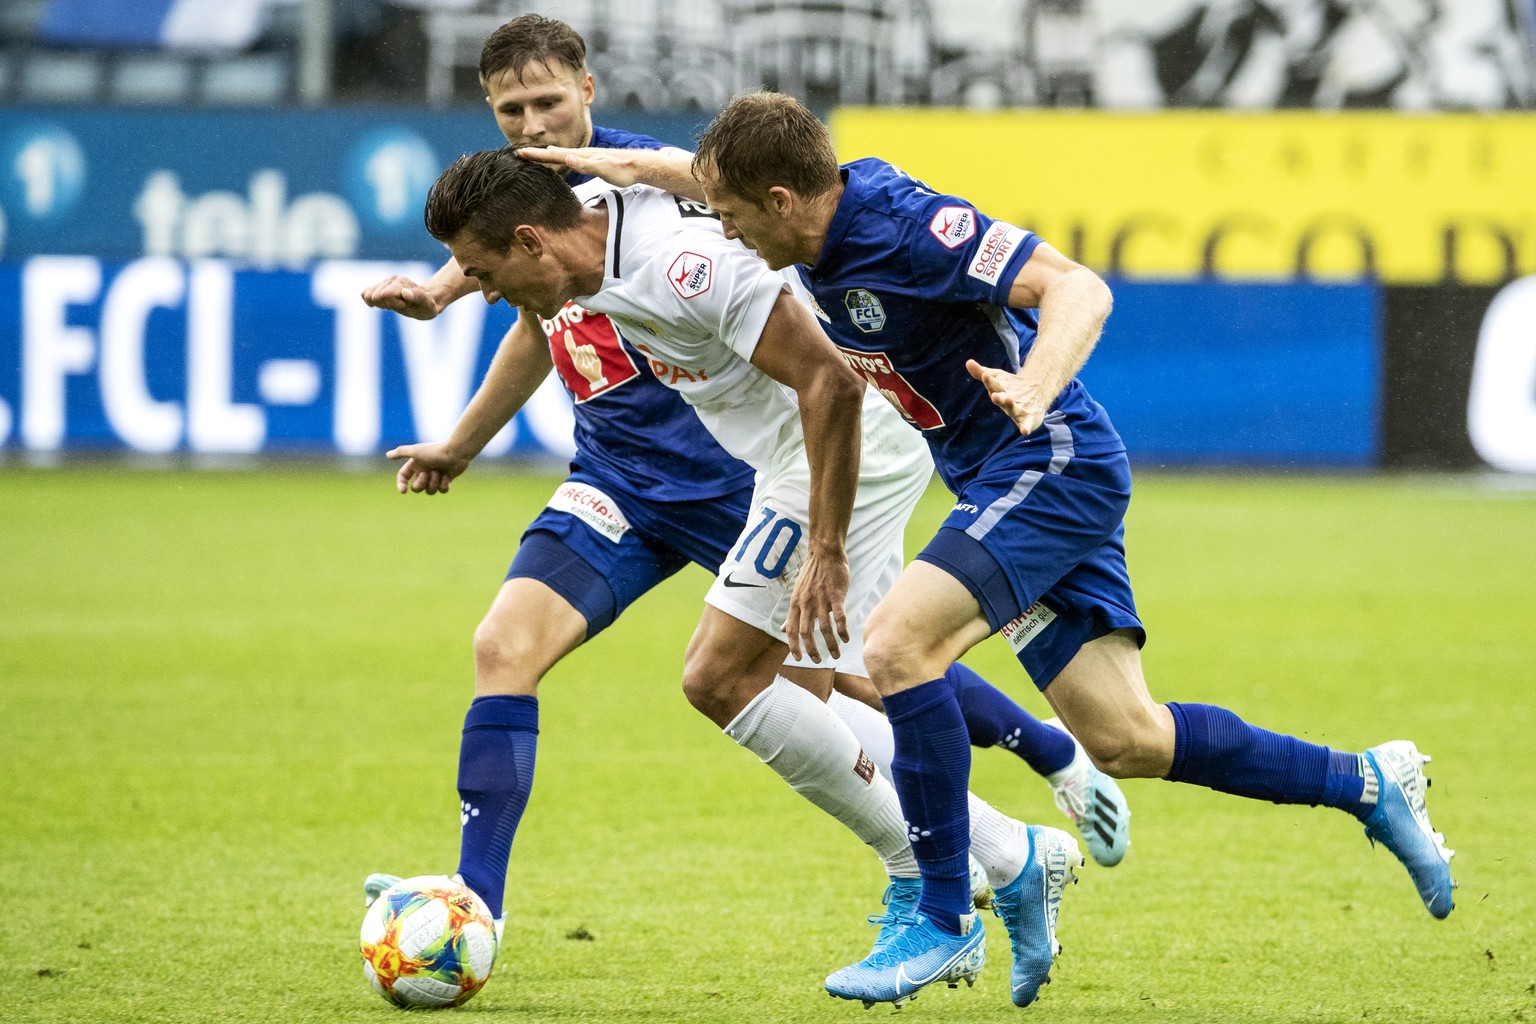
(232,677)
(1316,213)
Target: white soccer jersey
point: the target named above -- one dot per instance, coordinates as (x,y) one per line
(695,303)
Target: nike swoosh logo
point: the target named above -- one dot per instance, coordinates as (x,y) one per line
(904,983)
(728,581)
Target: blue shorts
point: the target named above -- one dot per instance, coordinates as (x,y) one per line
(602,548)
(1042,549)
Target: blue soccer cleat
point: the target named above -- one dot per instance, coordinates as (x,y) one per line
(1029,904)
(1401,824)
(1094,803)
(900,901)
(910,954)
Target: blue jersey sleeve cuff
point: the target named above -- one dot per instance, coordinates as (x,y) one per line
(1016,263)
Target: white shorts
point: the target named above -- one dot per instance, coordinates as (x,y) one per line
(758,578)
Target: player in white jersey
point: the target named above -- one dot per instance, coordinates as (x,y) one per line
(726,332)
(695,304)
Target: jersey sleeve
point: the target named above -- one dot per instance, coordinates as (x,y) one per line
(716,287)
(959,254)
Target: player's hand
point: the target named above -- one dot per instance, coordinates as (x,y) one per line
(618,167)
(817,604)
(1022,399)
(404,296)
(428,468)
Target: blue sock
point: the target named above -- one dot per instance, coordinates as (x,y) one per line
(501,737)
(993,719)
(931,772)
(1213,747)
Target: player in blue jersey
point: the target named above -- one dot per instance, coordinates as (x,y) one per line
(650,491)
(975,329)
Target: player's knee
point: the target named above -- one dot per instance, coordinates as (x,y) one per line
(507,660)
(705,689)
(895,657)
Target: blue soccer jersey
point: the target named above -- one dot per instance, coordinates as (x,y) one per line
(629,426)
(911,283)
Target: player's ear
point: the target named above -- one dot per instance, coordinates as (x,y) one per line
(781,200)
(588,89)
(528,238)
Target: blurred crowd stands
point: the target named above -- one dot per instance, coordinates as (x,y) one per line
(694,54)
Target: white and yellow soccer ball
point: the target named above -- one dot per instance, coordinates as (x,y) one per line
(428,942)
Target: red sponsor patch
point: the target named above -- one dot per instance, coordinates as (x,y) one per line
(876,368)
(690,274)
(587,352)
(864,768)
(953,225)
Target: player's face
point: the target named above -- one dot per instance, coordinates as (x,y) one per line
(760,227)
(548,106)
(517,276)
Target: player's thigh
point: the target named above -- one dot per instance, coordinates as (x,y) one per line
(527,630)
(926,621)
(599,549)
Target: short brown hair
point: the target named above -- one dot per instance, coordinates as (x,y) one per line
(765,139)
(488,194)
(530,39)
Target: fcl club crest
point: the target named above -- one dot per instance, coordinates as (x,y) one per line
(864,310)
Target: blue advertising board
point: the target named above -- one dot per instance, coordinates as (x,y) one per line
(271,189)
(1263,375)
(164,355)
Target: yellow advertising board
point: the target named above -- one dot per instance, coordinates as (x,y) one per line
(1402,197)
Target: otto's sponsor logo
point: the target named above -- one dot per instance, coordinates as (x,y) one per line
(993,252)
(864,768)
(953,225)
(587,352)
(876,368)
(1027,626)
(864,310)
(592,507)
(690,274)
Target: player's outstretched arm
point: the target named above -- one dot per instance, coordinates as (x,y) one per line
(795,352)
(521,363)
(1074,303)
(421,301)
(670,169)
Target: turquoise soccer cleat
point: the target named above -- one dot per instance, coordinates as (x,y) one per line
(910,954)
(1029,905)
(1401,823)
(1094,803)
(375,884)
(900,902)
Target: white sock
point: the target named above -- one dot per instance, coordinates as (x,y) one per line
(800,738)
(869,727)
(999,843)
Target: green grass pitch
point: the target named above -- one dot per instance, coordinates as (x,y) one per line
(227,696)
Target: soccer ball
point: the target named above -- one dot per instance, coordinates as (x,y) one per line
(428,942)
